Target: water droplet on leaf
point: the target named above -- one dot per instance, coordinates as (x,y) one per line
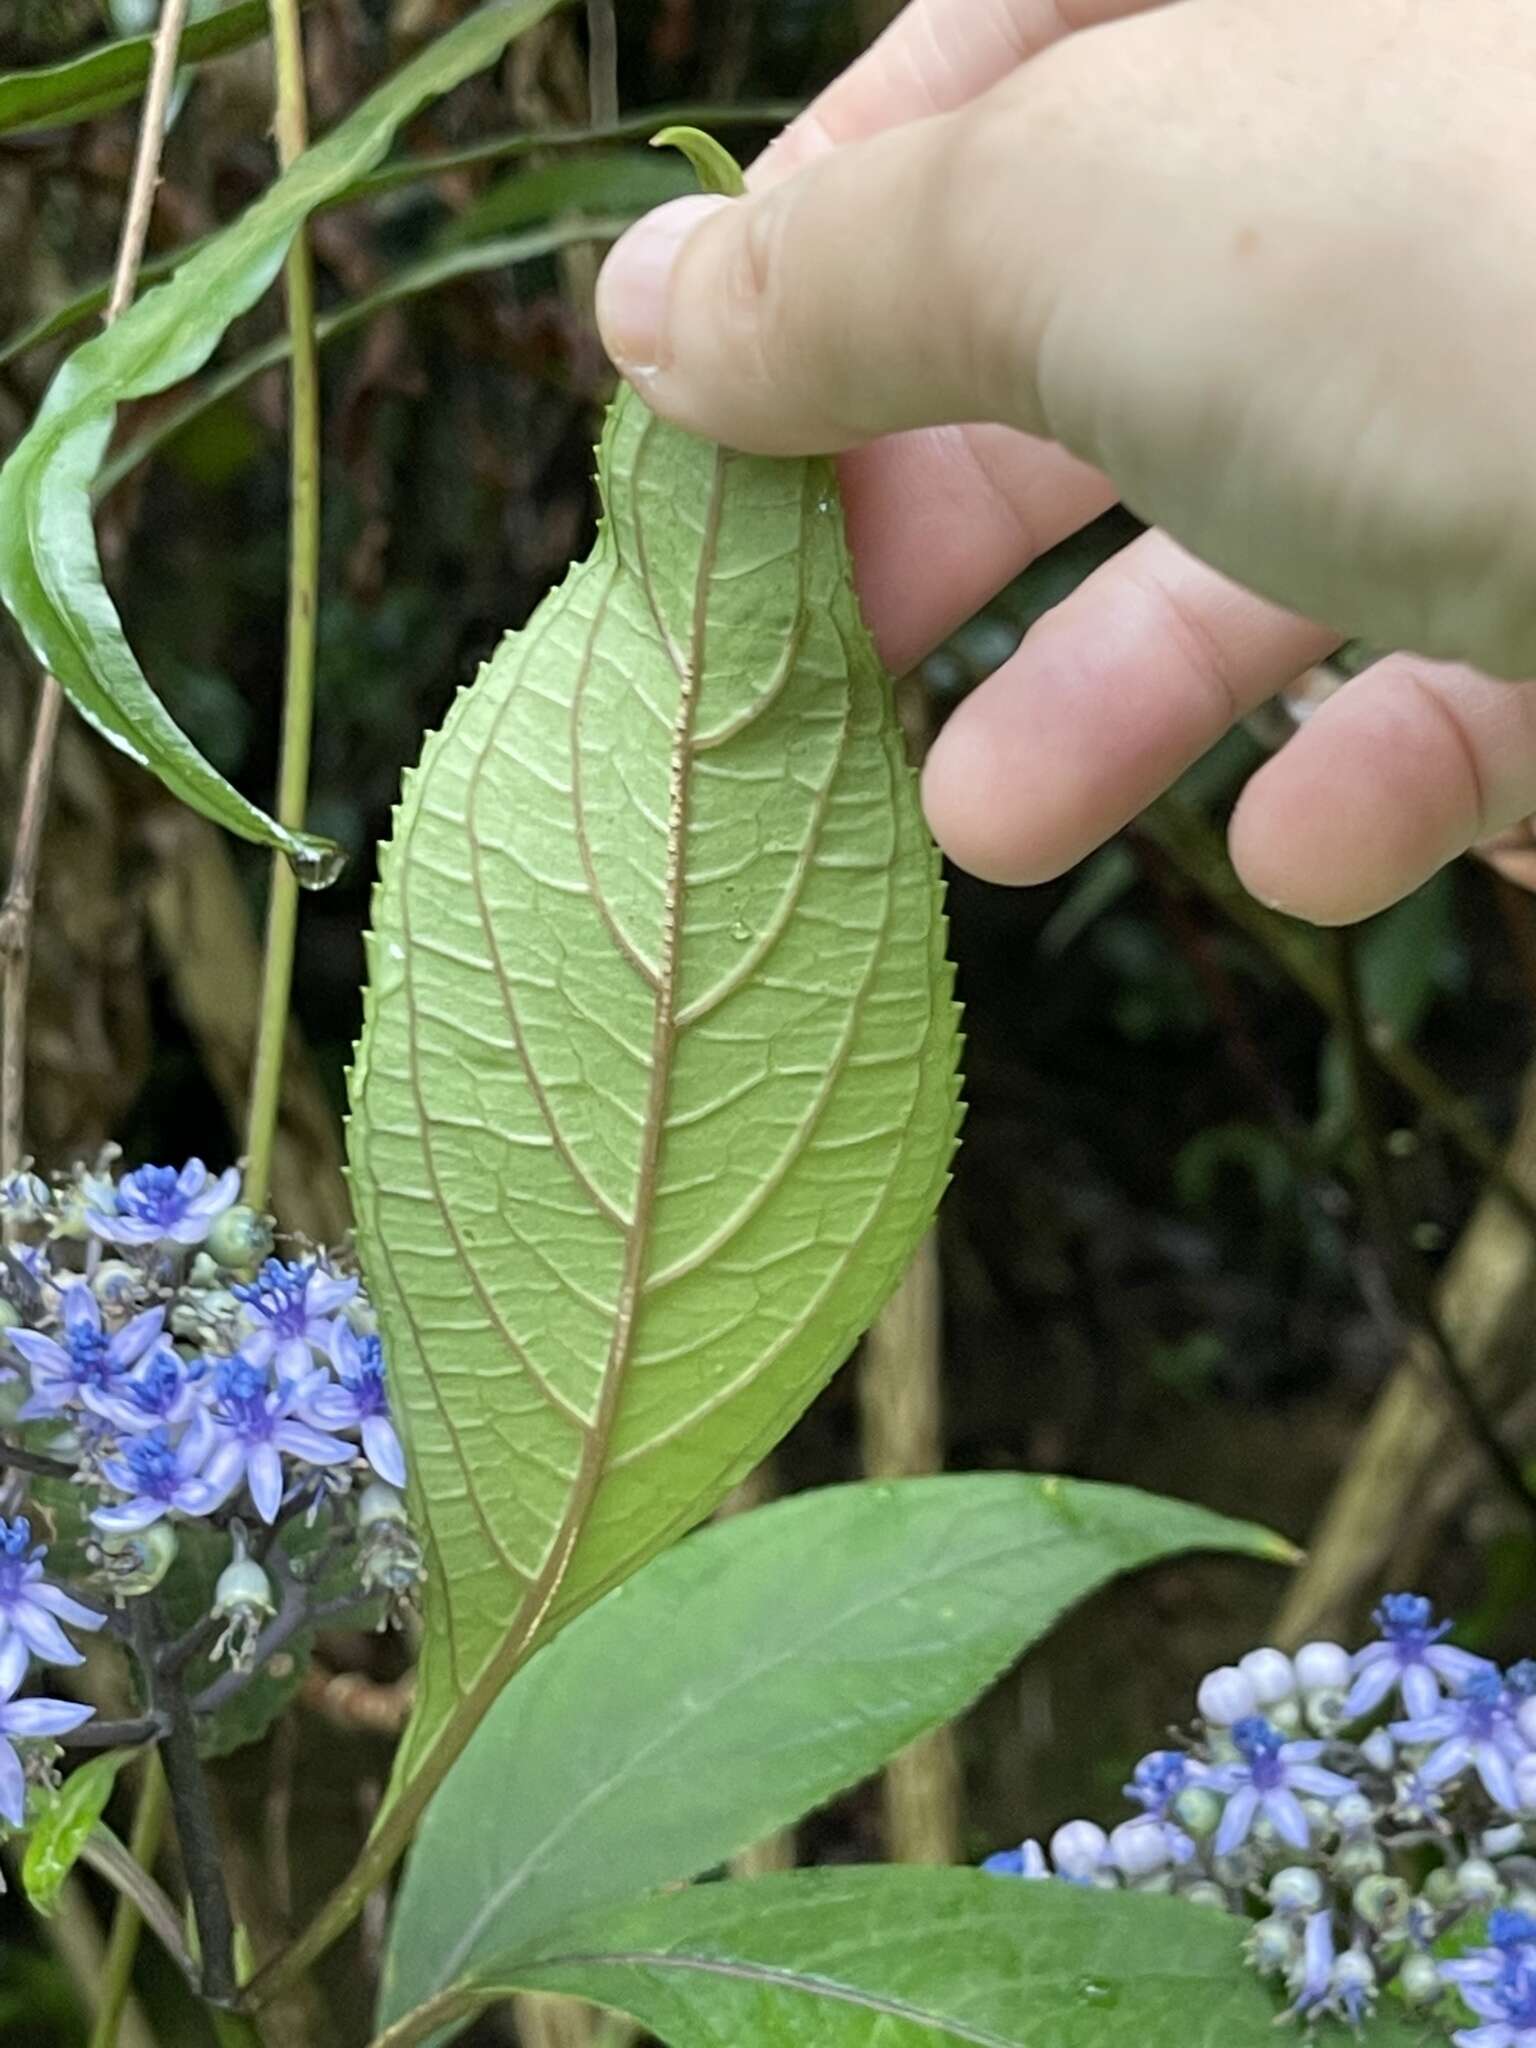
(317,867)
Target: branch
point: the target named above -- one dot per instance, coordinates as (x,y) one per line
(117,1734)
(16,912)
(15,1459)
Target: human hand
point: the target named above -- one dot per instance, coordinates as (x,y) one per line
(1267,271)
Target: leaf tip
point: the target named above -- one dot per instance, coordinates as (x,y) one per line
(713,165)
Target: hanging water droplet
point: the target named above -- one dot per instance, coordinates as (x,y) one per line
(741,931)
(318,866)
(1098,1994)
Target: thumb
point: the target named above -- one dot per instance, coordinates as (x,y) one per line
(882,287)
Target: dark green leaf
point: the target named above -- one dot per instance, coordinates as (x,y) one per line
(50,574)
(62,1826)
(767,1663)
(623,182)
(56,95)
(912,1959)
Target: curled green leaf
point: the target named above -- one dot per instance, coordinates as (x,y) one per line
(714,166)
(64,1825)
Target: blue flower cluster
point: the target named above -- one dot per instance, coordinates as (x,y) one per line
(154,1350)
(181,1389)
(1356,1809)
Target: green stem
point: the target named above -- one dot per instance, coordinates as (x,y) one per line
(234,2029)
(291,128)
(127,1920)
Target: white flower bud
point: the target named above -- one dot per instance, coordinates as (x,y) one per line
(1078,1849)
(243,1587)
(1379,1750)
(1204,1893)
(1272,1946)
(1354,1973)
(1382,1902)
(1198,1811)
(1360,1857)
(240,1237)
(1139,1848)
(1478,1883)
(1353,1814)
(1322,1667)
(1420,1981)
(1325,1712)
(1502,1841)
(379,1503)
(1525,1721)
(1296,1890)
(1271,1674)
(1226,1697)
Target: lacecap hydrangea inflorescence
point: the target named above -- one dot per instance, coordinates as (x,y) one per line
(1372,1815)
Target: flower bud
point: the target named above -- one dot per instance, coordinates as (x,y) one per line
(1286,1716)
(241,1237)
(1139,1848)
(1272,1946)
(1198,1811)
(379,1503)
(1379,1750)
(1322,1667)
(1504,1841)
(1226,1697)
(243,1585)
(131,1565)
(1382,1902)
(1439,1888)
(1204,1893)
(1296,1890)
(1525,1721)
(1325,1712)
(1360,1857)
(1079,1849)
(1271,1674)
(1478,1884)
(1354,1977)
(24,1197)
(118,1286)
(1353,1814)
(1420,1981)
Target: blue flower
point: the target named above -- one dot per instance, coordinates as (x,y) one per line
(1158,1780)
(1474,1730)
(87,1356)
(30,1606)
(292,1310)
(1312,1981)
(360,1402)
(1512,1938)
(1507,2002)
(256,1427)
(1271,1774)
(162,1393)
(25,1720)
(1028,1860)
(1410,1656)
(158,1205)
(161,1477)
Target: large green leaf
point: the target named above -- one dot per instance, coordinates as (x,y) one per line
(656,1091)
(54,95)
(623,181)
(905,1959)
(50,574)
(768,1662)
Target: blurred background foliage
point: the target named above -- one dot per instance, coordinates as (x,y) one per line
(1154,1266)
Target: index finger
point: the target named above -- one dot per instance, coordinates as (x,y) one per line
(937,55)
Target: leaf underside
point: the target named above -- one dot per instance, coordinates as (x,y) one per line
(656,1091)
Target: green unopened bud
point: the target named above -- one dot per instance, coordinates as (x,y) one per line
(1203,1893)
(243,1600)
(1478,1883)
(1439,1888)
(1382,1902)
(131,1565)
(1325,1712)
(241,1237)
(1296,1889)
(117,1286)
(1358,1858)
(1198,1812)
(379,1503)
(1272,1946)
(1420,1982)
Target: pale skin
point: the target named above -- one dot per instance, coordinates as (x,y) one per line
(1266,270)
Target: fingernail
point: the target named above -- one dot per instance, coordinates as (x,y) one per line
(634,288)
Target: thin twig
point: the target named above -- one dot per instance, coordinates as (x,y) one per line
(127,1918)
(291,129)
(1410,1279)
(128,1734)
(602,63)
(15,1459)
(16,913)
